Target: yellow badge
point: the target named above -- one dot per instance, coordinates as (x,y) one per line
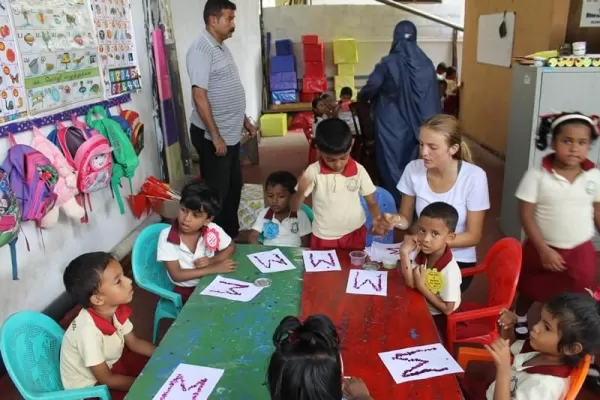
(434,280)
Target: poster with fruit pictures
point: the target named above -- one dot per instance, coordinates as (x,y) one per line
(13,102)
(116,46)
(58,51)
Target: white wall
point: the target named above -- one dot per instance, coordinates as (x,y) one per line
(40,271)
(245,46)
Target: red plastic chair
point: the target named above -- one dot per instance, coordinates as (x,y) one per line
(312,149)
(473,323)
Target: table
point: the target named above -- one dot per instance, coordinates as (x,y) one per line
(234,336)
(369,325)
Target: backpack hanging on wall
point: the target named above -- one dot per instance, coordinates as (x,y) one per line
(10,220)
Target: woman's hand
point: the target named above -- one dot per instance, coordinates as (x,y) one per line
(551,260)
(355,388)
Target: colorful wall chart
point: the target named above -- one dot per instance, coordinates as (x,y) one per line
(58,52)
(13,103)
(118,56)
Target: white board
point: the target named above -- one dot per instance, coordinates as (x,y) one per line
(491,48)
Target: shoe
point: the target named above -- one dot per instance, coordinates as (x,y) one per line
(521,331)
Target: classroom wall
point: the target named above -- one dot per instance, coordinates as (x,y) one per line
(540,25)
(41,269)
(245,45)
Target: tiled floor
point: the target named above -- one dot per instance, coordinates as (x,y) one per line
(290,153)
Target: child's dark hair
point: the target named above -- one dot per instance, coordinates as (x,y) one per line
(83,275)
(441,68)
(443,211)
(306,363)
(197,196)
(578,318)
(333,136)
(346,91)
(451,72)
(315,103)
(551,125)
(283,178)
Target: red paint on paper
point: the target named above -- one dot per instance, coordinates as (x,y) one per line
(418,363)
(376,287)
(180,379)
(277,260)
(330,263)
(232,289)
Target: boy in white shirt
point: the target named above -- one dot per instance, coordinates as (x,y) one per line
(194,246)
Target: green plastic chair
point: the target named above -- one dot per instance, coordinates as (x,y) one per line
(30,344)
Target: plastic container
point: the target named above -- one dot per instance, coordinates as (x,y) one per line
(358,258)
(371,266)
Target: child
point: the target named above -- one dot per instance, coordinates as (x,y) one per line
(345,99)
(99,347)
(441,70)
(452,81)
(194,246)
(324,106)
(307,351)
(335,182)
(278,224)
(568,330)
(436,275)
(443,88)
(559,204)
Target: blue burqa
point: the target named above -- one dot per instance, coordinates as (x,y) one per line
(404,92)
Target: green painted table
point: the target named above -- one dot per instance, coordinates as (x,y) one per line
(226,334)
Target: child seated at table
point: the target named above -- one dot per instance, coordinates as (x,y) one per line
(336,181)
(100,347)
(434,272)
(305,351)
(569,329)
(194,246)
(279,225)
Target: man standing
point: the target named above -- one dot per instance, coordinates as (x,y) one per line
(219,110)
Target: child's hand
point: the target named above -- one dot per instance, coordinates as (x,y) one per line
(409,244)
(419,277)
(225,267)
(201,262)
(551,260)
(379,227)
(507,320)
(355,388)
(500,351)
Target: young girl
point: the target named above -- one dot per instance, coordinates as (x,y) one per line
(568,330)
(559,210)
(277,223)
(323,106)
(307,363)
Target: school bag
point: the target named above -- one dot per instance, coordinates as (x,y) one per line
(10,220)
(124,157)
(137,128)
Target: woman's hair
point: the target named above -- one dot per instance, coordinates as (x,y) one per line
(306,364)
(452,129)
(578,318)
(551,125)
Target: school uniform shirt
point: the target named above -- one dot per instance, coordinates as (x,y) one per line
(336,198)
(469,193)
(91,340)
(563,210)
(171,248)
(448,290)
(541,382)
(291,229)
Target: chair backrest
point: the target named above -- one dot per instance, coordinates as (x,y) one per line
(577,378)
(148,272)
(503,266)
(386,205)
(308,211)
(30,345)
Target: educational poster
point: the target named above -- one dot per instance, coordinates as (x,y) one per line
(13,104)
(58,51)
(118,56)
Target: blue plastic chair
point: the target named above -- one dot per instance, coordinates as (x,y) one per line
(307,210)
(152,276)
(30,344)
(386,205)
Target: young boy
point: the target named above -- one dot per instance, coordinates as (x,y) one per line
(452,81)
(435,273)
(99,347)
(441,70)
(194,246)
(345,99)
(336,181)
(279,225)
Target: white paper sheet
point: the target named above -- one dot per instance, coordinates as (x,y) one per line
(271,261)
(321,261)
(381,252)
(231,289)
(421,362)
(189,382)
(367,282)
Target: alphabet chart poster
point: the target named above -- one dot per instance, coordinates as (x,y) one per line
(372,283)
(58,52)
(232,289)
(321,261)
(422,362)
(271,261)
(190,382)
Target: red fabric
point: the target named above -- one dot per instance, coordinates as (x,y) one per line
(352,241)
(314,84)
(444,260)
(540,284)
(350,170)
(130,364)
(185,292)
(310,39)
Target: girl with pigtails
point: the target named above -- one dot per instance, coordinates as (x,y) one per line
(307,364)
(559,205)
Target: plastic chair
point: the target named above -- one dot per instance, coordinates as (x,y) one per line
(475,323)
(386,205)
(307,210)
(30,344)
(576,379)
(152,276)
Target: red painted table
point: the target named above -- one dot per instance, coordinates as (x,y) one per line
(369,325)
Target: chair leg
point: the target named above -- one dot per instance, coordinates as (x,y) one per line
(157,317)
